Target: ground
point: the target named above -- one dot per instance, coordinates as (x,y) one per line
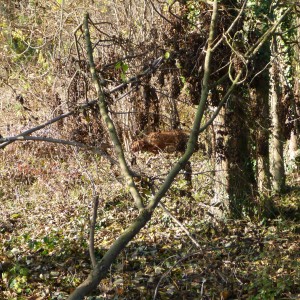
(45,198)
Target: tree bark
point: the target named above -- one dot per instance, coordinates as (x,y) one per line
(260,95)
(277,139)
(220,201)
(242,184)
(294,146)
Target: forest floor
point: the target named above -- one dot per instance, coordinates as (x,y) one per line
(45,207)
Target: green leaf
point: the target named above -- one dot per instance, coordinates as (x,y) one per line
(167,55)
(15,216)
(123,77)
(118,65)
(177,63)
(183,79)
(124,67)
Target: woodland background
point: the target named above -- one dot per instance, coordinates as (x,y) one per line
(227,226)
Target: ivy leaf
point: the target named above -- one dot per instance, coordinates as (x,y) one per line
(118,65)
(123,77)
(124,67)
(183,79)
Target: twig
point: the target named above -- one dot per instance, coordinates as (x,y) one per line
(151,185)
(75,39)
(160,176)
(180,225)
(160,14)
(5,81)
(92,231)
(127,57)
(60,27)
(231,26)
(152,67)
(93,217)
(108,121)
(170,270)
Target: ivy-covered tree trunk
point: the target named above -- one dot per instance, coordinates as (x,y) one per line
(260,96)
(294,143)
(277,139)
(234,181)
(242,184)
(220,201)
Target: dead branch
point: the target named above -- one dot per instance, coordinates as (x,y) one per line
(92,231)
(175,220)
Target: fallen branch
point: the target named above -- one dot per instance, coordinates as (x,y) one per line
(94,149)
(180,225)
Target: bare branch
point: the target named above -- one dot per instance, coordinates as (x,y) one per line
(92,231)
(34,129)
(152,68)
(75,39)
(255,48)
(197,121)
(179,224)
(108,121)
(94,149)
(231,26)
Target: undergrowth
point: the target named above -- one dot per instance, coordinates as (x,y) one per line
(45,207)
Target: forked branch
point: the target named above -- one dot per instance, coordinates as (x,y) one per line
(102,267)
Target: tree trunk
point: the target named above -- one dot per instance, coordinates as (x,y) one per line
(277,140)
(294,147)
(242,184)
(220,201)
(234,181)
(260,96)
